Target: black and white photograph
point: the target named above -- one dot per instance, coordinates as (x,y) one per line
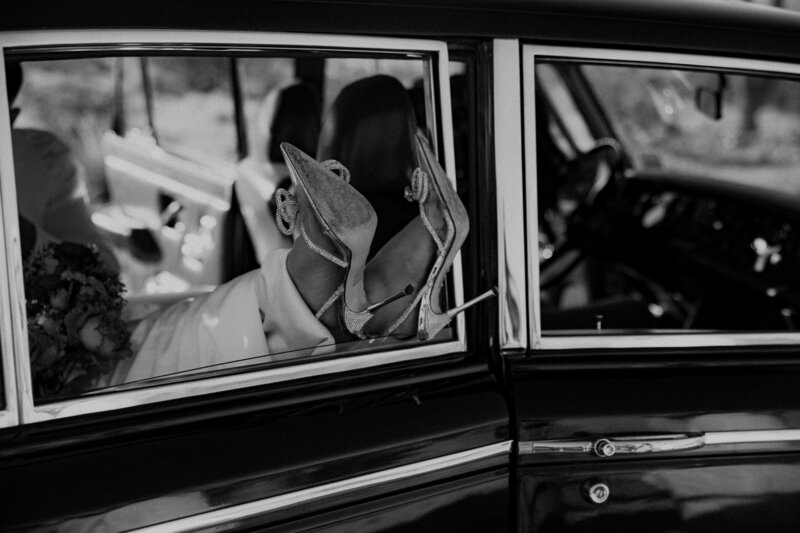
(387,266)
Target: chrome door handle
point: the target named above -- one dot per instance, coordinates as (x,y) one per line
(608,447)
(624,445)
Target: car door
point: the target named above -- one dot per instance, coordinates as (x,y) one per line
(629,414)
(381,435)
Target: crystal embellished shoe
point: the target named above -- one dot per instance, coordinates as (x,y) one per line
(347,222)
(427,245)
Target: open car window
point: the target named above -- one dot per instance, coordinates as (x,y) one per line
(163,256)
(681,216)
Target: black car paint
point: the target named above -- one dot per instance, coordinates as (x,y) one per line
(243,447)
(227,446)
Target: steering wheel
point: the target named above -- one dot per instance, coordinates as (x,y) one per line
(581,180)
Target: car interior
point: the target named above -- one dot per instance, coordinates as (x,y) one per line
(187,210)
(639,237)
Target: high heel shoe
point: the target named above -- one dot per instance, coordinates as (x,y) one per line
(346,220)
(423,251)
(432,319)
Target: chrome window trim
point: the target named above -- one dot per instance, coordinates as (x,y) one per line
(186,41)
(244,511)
(10,271)
(587,340)
(508,149)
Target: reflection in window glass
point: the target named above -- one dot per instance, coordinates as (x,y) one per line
(571,125)
(689,220)
(188,263)
(192,105)
(260,77)
(753,141)
(133,116)
(340,72)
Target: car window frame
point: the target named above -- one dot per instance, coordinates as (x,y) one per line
(508,149)
(16,363)
(9,410)
(531,53)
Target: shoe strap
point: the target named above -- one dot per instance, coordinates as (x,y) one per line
(334,166)
(408,310)
(342,263)
(286,212)
(288,217)
(418,191)
(335,296)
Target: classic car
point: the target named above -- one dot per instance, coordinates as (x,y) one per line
(631,173)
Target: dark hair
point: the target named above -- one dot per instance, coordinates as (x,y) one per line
(13,80)
(370,127)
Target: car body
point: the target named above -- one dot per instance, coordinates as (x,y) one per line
(665,399)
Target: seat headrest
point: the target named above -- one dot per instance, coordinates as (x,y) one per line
(370,128)
(289,114)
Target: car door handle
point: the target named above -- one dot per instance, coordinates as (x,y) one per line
(624,445)
(608,447)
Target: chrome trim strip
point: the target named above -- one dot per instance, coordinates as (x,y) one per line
(531,447)
(187,42)
(587,340)
(662,58)
(666,340)
(134,397)
(449,160)
(531,196)
(635,444)
(512,285)
(10,268)
(251,509)
(718,438)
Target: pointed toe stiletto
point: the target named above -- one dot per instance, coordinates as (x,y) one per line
(347,223)
(422,252)
(431,318)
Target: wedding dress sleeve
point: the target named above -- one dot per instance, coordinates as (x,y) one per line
(258,316)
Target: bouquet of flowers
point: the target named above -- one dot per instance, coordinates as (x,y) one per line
(75,329)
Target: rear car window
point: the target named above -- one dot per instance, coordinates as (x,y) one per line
(163,254)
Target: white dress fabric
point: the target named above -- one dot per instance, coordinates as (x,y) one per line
(225,327)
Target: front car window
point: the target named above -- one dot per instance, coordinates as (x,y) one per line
(161,251)
(682,214)
(664,127)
